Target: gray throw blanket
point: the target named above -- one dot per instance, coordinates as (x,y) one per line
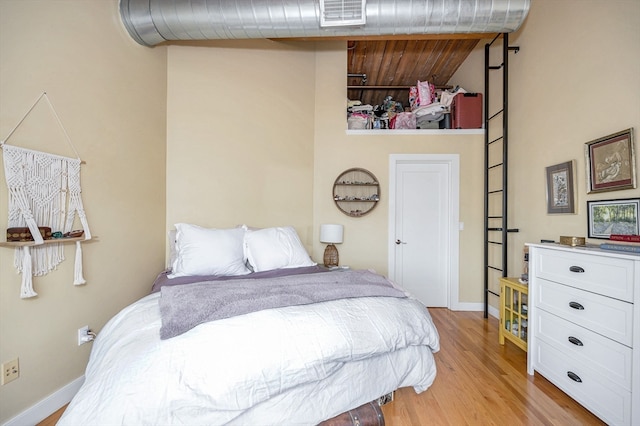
(186,306)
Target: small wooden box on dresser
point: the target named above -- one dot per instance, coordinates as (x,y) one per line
(584,327)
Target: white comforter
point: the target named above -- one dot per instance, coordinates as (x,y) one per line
(293,365)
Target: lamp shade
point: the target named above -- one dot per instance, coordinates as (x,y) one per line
(331,233)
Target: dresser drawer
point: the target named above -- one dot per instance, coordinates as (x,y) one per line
(610,403)
(609,317)
(612,277)
(610,358)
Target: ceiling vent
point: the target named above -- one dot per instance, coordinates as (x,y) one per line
(342,13)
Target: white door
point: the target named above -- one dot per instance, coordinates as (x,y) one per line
(423,226)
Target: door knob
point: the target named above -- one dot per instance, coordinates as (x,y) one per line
(400,242)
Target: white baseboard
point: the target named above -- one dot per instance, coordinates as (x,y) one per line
(43,409)
(473,307)
(494,312)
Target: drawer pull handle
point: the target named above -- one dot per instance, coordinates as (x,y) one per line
(576,305)
(573,376)
(576,269)
(575,341)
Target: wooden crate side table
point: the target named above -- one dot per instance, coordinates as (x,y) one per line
(514,312)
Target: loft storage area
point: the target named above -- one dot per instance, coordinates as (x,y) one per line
(395,45)
(404,84)
(428,108)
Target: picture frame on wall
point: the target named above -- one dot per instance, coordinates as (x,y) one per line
(610,163)
(560,188)
(607,217)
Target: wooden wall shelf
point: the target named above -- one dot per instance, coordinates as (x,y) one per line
(356,192)
(51,241)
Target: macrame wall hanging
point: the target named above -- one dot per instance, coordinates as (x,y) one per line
(44,191)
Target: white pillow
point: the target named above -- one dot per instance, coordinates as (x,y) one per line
(171,235)
(275,248)
(202,251)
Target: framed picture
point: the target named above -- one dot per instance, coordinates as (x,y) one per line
(611,163)
(560,190)
(613,217)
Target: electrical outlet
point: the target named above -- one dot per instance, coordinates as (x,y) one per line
(10,371)
(83,335)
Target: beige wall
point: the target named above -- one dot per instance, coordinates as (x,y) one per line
(576,78)
(573,84)
(551,89)
(255,134)
(110,94)
(240,134)
(366,238)
(265,159)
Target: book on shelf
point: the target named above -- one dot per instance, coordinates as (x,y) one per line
(626,238)
(621,247)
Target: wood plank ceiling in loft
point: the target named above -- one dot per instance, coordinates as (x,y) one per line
(391,66)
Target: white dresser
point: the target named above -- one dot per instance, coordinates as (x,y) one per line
(584,327)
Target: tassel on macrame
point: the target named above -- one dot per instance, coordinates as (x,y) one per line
(26,290)
(78,279)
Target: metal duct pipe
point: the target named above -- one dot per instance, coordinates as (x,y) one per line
(150,22)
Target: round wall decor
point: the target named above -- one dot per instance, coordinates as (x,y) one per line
(356,192)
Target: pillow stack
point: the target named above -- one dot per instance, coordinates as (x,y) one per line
(235,251)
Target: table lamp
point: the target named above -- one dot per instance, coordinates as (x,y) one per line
(331,234)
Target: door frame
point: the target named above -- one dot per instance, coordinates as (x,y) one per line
(453,165)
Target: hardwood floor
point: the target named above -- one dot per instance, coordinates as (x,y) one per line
(479,382)
(52,419)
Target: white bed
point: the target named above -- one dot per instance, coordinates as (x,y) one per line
(289,365)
